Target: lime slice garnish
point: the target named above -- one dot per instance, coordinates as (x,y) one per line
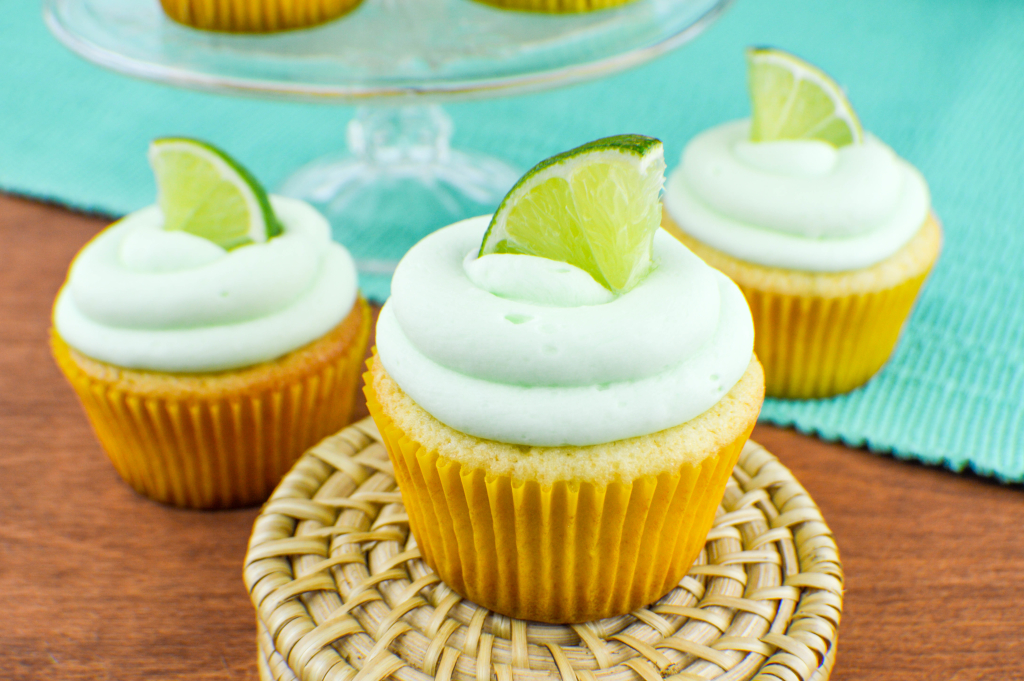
(794,100)
(203,191)
(595,207)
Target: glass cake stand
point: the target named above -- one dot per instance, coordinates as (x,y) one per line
(396,60)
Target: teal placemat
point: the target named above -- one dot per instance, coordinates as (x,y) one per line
(939,80)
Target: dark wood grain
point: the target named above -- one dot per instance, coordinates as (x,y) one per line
(99,583)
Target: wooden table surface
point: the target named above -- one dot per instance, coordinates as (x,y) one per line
(99,583)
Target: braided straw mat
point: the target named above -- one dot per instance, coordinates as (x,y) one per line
(342,594)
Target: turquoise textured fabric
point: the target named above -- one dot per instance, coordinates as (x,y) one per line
(939,80)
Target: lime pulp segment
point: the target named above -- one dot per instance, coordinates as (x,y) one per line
(595,207)
(203,191)
(792,99)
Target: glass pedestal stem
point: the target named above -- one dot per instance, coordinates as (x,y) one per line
(399,181)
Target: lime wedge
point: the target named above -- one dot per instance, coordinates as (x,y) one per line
(794,100)
(595,207)
(203,191)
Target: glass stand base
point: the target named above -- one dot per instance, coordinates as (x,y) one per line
(400,181)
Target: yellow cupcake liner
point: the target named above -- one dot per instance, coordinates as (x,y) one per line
(555,5)
(815,346)
(217,452)
(255,16)
(563,552)
(823,334)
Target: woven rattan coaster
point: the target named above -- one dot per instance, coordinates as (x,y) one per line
(341,593)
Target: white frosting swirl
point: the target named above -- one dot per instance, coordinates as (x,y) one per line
(140,297)
(563,370)
(796,204)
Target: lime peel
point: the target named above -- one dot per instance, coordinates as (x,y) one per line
(595,207)
(203,191)
(793,99)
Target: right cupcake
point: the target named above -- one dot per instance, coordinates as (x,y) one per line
(829,234)
(213,337)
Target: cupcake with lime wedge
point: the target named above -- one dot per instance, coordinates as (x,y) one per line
(827,231)
(564,389)
(213,337)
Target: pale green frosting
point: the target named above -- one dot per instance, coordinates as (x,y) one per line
(796,204)
(140,297)
(531,279)
(527,352)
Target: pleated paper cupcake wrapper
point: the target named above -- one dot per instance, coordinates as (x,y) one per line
(562,552)
(813,346)
(255,16)
(216,453)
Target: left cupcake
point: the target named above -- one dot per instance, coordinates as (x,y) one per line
(255,16)
(213,337)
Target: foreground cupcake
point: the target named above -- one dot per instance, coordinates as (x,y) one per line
(255,16)
(213,338)
(564,390)
(828,232)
